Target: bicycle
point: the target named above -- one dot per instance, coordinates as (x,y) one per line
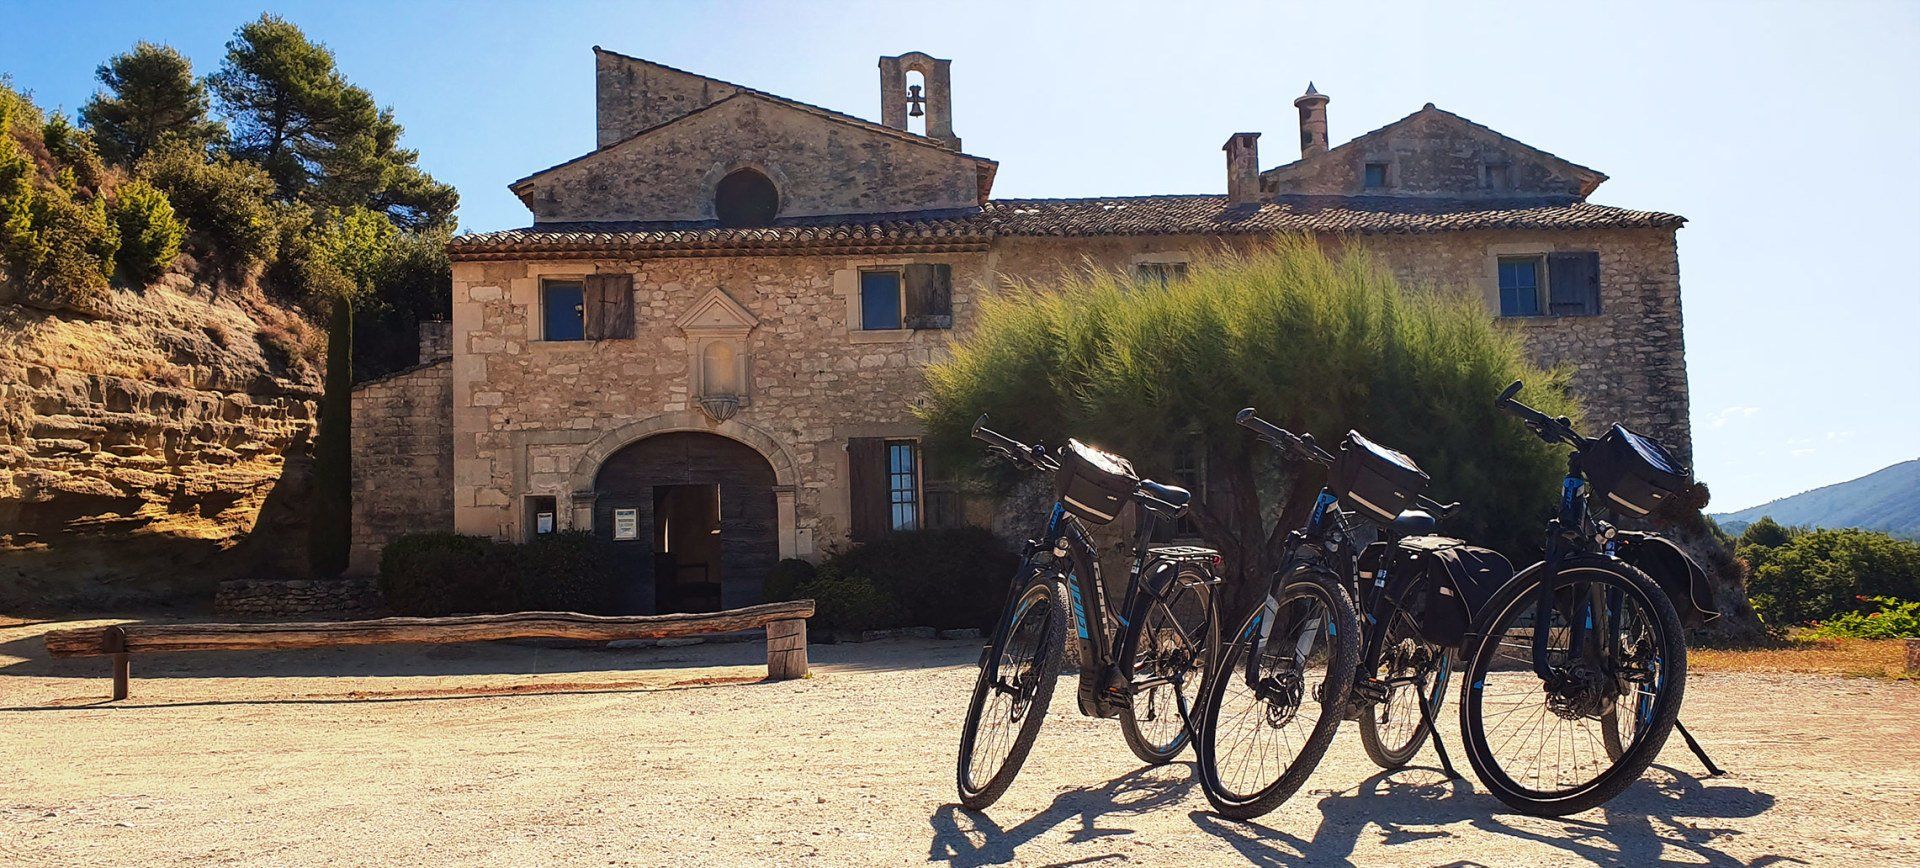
(1140,663)
(1304,642)
(1575,671)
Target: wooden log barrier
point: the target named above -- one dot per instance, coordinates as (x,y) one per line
(785,623)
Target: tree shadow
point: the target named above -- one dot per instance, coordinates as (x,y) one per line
(970,838)
(1650,823)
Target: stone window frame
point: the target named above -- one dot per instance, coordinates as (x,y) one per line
(736,335)
(1489,279)
(846,283)
(1390,176)
(535,302)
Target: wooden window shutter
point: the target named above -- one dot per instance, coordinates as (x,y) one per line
(929,296)
(608,301)
(867,488)
(1574,284)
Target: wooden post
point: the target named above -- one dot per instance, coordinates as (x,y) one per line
(1913,657)
(122,661)
(787,650)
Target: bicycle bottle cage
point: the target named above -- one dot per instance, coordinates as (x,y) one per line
(1374,480)
(1092,484)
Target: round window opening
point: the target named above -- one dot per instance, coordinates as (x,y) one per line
(746,198)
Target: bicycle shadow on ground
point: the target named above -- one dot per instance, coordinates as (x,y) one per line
(1656,820)
(966,838)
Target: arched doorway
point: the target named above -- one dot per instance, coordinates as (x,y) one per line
(693,518)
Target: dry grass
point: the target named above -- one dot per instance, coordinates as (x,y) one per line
(1867,658)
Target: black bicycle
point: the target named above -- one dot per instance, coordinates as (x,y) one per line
(1292,671)
(1141,663)
(1575,670)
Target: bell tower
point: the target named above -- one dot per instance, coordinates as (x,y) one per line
(900,100)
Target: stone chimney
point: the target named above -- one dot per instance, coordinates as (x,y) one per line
(436,340)
(1313,121)
(1243,168)
(932,98)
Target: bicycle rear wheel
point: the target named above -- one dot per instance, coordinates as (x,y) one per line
(1011,693)
(1543,747)
(1271,705)
(1391,731)
(1168,657)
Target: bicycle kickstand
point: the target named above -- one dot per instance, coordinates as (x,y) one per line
(1713,771)
(1427,714)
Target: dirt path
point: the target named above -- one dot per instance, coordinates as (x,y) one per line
(516,755)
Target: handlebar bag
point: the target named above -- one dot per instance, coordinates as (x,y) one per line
(1676,573)
(1633,472)
(1373,480)
(1455,581)
(1093,484)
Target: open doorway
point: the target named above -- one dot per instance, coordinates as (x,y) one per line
(686,548)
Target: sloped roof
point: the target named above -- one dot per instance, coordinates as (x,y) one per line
(974,229)
(988,166)
(1592,177)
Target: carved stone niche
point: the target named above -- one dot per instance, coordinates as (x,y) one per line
(717,328)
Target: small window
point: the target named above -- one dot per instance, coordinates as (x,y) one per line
(1160,273)
(562,311)
(903,484)
(746,198)
(1498,177)
(1376,175)
(880,300)
(1520,286)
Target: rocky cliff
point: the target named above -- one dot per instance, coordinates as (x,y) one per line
(152,452)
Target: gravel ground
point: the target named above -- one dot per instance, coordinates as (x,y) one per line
(519,755)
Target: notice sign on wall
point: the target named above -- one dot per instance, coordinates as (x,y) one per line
(626,524)
(543,522)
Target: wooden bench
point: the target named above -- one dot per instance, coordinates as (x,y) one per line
(785,623)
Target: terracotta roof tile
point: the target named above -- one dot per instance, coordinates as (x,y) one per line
(1102,216)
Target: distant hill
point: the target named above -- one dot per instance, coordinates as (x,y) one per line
(1886,499)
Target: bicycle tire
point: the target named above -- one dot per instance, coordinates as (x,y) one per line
(1192,666)
(1048,599)
(1380,746)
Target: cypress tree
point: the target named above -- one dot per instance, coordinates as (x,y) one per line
(330,530)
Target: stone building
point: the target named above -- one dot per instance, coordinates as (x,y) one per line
(709,343)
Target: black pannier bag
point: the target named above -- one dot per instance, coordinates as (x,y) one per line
(1633,472)
(1374,480)
(1094,485)
(1455,582)
(1669,567)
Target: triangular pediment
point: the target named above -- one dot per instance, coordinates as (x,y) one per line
(717,312)
(1436,153)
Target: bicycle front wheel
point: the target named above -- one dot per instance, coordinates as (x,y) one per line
(1169,655)
(1618,669)
(1273,702)
(1012,692)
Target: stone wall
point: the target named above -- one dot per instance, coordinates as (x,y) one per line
(535,418)
(297,598)
(402,458)
(1434,154)
(818,165)
(147,454)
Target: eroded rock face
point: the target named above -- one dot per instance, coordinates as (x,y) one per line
(150,453)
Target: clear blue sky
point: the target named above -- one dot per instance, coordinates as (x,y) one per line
(1788,133)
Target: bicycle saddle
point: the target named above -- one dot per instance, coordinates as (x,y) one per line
(1413,522)
(1172,494)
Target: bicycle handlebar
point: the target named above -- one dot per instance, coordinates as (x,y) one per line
(1034,456)
(1548,428)
(1299,445)
(1439,510)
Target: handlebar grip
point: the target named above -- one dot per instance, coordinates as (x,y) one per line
(1511,390)
(994,438)
(1246,419)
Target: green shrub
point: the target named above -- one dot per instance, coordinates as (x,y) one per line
(850,603)
(946,578)
(56,244)
(1821,574)
(223,201)
(150,234)
(74,150)
(443,574)
(786,579)
(573,571)
(1891,619)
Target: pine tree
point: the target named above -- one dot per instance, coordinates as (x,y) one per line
(151,98)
